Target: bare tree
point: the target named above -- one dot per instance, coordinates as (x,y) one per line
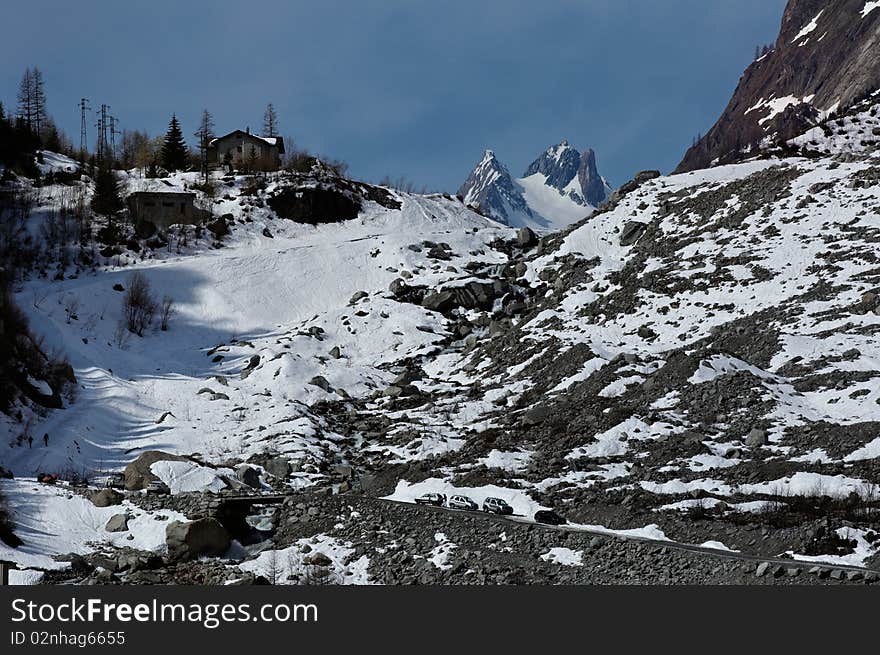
(205,134)
(26,98)
(32,100)
(39,102)
(166,312)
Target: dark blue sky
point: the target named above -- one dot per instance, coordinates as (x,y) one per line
(403,87)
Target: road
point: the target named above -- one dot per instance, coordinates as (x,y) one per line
(673,545)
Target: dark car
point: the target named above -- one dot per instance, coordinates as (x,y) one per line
(497,506)
(462,502)
(438,500)
(549,517)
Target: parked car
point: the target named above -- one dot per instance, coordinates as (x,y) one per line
(497,506)
(462,502)
(158,487)
(438,500)
(115,481)
(549,517)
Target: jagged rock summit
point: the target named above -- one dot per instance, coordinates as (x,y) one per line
(560,187)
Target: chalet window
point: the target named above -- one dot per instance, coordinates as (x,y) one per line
(149,203)
(238,149)
(183,208)
(168,204)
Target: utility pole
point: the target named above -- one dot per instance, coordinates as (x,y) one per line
(83,132)
(114,122)
(102,132)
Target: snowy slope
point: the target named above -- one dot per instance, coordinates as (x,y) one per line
(257,296)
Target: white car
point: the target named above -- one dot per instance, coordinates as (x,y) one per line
(462,502)
(158,487)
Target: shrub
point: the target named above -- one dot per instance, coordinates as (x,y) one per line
(166,313)
(138,304)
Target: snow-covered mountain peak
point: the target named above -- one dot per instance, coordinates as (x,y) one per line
(558,188)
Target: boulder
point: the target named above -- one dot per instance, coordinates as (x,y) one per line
(191,539)
(398,287)
(278,467)
(644,176)
(117,523)
(219,228)
(252,364)
(106,498)
(249,475)
(536,415)
(357,297)
(526,237)
(440,301)
(321,382)
(318,559)
(343,471)
(631,233)
(756,438)
(138,474)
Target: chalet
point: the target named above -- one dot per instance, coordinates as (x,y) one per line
(165,208)
(245,151)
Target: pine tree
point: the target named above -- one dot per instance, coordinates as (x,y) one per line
(173,154)
(204,134)
(106,200)
(270,121)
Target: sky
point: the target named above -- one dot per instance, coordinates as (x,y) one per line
(405,88)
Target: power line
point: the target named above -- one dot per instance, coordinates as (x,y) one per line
(83,132)
(114,123)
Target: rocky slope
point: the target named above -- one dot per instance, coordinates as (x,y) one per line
(827,57)
(560,187)
(695,363)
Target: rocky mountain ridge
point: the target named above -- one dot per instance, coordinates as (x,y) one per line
(827,57)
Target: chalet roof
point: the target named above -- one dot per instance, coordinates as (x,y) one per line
(270,140)
(160,192)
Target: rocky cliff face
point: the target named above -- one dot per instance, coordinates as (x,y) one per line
(594,186)
(826,58)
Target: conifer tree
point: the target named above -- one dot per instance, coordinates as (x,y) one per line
(173,155)
(270,121)
(106,200)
